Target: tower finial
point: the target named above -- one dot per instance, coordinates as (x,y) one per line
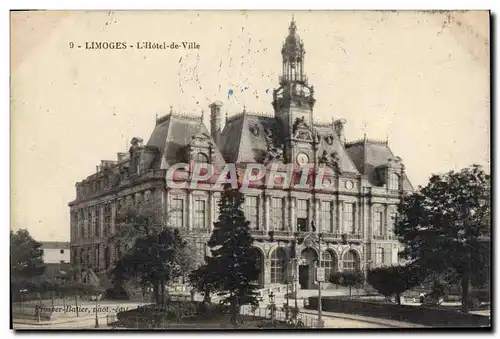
(202,115)
(244,108)
(171,109)
(364,134)
(227,116)
(293,26)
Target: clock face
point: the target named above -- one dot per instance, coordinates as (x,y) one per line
(349,184)
(302,159)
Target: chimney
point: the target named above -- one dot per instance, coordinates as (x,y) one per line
(121,156)
(216,121)
(339,130)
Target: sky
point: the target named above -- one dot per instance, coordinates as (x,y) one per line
(418,79)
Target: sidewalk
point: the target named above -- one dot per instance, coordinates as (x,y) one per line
(379,322)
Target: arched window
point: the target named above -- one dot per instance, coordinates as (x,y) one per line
(329,262)
(201,157)
(393,181)
(278,266)
(351,261)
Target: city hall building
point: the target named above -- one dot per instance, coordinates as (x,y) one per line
(348,223)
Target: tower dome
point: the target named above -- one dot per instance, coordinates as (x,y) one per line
(293,48)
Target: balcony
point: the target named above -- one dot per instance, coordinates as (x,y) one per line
(353,236)
(331,236)
(201,230)
(281,233)
(258,232)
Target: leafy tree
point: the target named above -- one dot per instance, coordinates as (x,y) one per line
(392,280)
(203,281)
(348,279)
(26,259)
(446,224)
(233,264)
(154,253)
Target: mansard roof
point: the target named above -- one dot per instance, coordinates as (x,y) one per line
(368,155)
(243,138)
(172,135)
(329,142)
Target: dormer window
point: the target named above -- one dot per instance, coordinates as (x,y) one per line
(393,182)
(201,157)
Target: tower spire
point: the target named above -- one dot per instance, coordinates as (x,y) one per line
(293,56)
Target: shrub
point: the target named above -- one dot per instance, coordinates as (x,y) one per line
(392,280)
(348,279)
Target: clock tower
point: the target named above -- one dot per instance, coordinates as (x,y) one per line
(293,101)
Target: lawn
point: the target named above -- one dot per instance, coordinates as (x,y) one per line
(189,315)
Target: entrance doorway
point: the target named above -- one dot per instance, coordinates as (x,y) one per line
(306,271)
(304,276)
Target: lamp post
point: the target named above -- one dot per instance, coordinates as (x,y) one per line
(295,282)
(287,309)
(272,306)
(320,318)
(96,307)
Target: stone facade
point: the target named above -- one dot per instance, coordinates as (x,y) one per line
(349,221)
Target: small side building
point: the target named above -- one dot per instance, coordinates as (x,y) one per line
(56,256)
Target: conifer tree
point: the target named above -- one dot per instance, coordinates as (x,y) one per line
(234,261)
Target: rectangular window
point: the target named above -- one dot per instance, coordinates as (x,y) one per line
(393,181)
(96,256)
(89,223)
(62,261)
(177,212)
(106,229)
(199,221)
(390,224)
(97,224)
(326,217)
(302,208)
(303,215)
(252,211)
(379,256)
(61,251)
(377,223)
(277,214)
(349,218)
(216,209)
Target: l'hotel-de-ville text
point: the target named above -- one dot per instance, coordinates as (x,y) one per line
(120,45)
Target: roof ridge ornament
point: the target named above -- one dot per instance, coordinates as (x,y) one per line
(293,27)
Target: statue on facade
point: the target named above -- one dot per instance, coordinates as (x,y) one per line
(273,151)
(137,145)
(299,122)
(331,160)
